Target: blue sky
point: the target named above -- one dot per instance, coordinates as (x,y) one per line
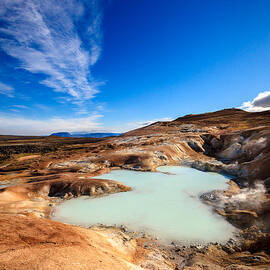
(80,65)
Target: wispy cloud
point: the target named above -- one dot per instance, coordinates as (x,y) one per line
(138,124)
(25,126)
(149,122)
(20,106)
(258,104)
(16,125)
(42,107)
(6,90)
(44,37)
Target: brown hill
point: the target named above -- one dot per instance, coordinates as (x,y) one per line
(231,119)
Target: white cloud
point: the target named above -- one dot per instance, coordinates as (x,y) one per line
(6,90)
(14,110)
(42,107)
(138,124)
(43,36)
(258,104)
(13,125)
(16,125)
(20,106)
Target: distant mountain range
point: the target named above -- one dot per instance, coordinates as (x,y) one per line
(84,135)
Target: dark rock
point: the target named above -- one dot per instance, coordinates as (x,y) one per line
(195,146)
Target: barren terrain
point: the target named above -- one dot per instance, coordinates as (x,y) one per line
(38,172)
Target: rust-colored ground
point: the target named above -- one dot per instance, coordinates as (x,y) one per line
(42,170)
(32,243)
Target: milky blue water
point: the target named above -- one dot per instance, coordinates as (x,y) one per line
(166,206)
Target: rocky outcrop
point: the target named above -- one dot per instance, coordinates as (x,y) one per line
(38,198)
